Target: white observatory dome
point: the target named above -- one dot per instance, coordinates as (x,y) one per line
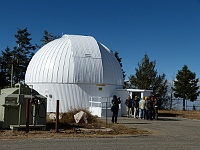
(73,69)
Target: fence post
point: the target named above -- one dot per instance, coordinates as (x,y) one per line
(57,116)
(106,113)
(27,114)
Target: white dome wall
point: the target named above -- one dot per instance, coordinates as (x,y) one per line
(45,62)
(71,95)
(112,73)
(70,69)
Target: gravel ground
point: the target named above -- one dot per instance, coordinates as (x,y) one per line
(166,133)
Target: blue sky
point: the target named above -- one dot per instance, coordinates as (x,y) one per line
(168,31)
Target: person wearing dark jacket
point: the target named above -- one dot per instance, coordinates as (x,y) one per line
(136,107)
(149,107)
(115,102)
(129,106)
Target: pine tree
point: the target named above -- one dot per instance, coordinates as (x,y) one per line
(185,85)
(120,62)
(22,53)
(14,62)
(6,61)
(146,77)
(160,88)
(47,37)
(145,74)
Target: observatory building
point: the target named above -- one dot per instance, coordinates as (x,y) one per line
(77,70)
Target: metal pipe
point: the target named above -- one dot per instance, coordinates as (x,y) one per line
(11,78)
(57,116)
(34,109)
(34,114)
(27,115)
(106,113)
(19,121)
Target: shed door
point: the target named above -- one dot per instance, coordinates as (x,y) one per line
(11,116)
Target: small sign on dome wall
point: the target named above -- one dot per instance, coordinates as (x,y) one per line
(100,88)
(100,84)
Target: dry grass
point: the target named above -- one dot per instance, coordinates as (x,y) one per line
(68,128)
(94,128)
(183,114)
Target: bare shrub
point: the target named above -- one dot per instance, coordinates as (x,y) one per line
(68,117)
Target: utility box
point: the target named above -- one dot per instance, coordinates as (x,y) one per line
(13,103)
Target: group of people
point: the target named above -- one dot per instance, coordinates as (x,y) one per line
(145,108)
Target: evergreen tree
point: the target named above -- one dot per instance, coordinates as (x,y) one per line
(145,74)
(14,62)
(47,37)
(6,61)
(120,62)
(23,54)
(185,85)
(146,77)
(160,89)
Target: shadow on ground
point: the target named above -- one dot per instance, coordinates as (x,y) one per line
(51,126)
(167,115)
(168,119)
(134,123)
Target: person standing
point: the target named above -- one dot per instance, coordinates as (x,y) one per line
(115,102)
(156,108)
(136,107)
(145,111)
(132,107)
(153,110)
(149,107)
(142,107)
(129,106)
